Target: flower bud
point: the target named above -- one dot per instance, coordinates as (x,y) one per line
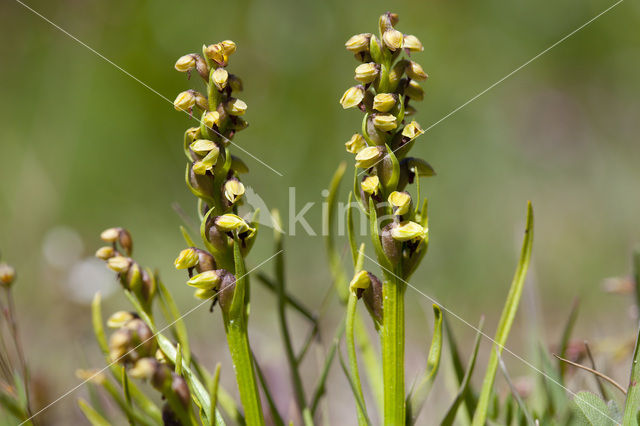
(412,43)
(407,231)
(414,91)
(144,369)
(7,274)
(366,73)
(184,101)
(235,83)
(396,73)
(358,42)
(119,319)
(233,190)
(105,252)
(412,130)
(359,282)
(201,101)
(393,39)
(385,122)
(185,63)
(188,258)
(119,264)
(228,47)
(355,144)
(93,376)
(415,72)
(372,297)
(371,185)
(211,119)
(205,280)
(383,102)
(180,388)
(235,107)
(400,201)
(110,235)
(352,97)
(202,146)
(368,157)
(220,78)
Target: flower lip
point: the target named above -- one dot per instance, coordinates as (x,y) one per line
(371,185)
(400,201)
(360,281)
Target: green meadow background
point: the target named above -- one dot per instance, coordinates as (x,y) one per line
(83,147)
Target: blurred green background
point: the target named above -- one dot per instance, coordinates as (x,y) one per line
(84,147)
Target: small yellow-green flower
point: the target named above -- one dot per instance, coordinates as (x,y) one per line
(385,122)
(400,201)
(185,63)
(188,258)
(228,47)
(205,280)
(412,130)
(366,73)
(235,107)
(352,97)
(383,102)
(414,71)
(358,42)
(144,369)
(202,146)
(371,185)
(393,39)
(205,293)
(414,91)
(355,144)
(408,230)
(233,190)
(368,157)
(220,78)
(412,43)
(211,118)
(360,281)
(184,101)
(215,52)
(110,235)
(231,222)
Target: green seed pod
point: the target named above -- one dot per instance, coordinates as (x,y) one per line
(227,288)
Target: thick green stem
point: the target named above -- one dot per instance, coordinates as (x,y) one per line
(353,358)
(238,341)
(393,351)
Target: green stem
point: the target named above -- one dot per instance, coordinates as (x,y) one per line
(392,339)
(238,341)
(353,359)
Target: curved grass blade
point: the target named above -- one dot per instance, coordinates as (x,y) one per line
(566,336)
(506,321)
(354,389)
(418,396)
(335,264)
(187,237)
(275,415)
(464,389)
(514,392)
(92,415)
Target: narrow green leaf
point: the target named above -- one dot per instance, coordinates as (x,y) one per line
(275,415)
(514,392)
(592,410)
(178,363)
(470,398)
(10,404)
(335,263)
(566,336)
(92,415)
(506,321)
(350,234)
(213,390)
(632,403)
(354,389)
(464,388)
(127,397)
(175,318)
(418,396)
(320,388)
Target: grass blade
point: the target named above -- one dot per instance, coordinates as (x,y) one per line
(335,264)
(354,389)
(566,336)
(92,415)
(514,392)
(179,328)
(506,321)
(465,389)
